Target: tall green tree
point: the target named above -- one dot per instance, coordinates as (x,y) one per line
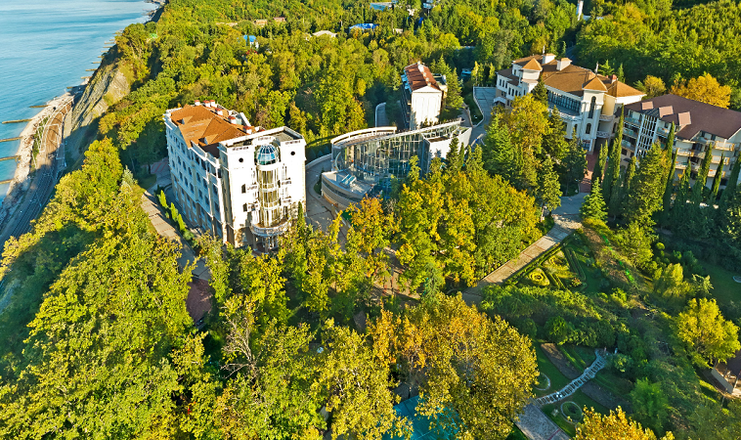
(669,190)
(499,154)
(574,165)
(548,192)
(594,205)
(698,188)
(540,93)
(612,174)
(703,328)
(554,142)
(357,388)
(716,182)
(646,193)
(732,184)
(599,168)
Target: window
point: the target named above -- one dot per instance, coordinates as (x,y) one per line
(592,105)
(576,129)
(244,207)
(244,189)
(589,128)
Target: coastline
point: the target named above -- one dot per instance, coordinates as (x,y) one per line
(20,181)
(19,185)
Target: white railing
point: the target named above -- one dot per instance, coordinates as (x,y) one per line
(603,134)
(606,118)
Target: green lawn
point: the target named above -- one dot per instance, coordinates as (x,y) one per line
(545,366)
(725,289)
(578,398)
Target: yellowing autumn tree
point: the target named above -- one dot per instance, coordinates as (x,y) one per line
(705,89)
(614,426)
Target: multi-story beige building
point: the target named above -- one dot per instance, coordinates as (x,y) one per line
(588,103)
(697,127)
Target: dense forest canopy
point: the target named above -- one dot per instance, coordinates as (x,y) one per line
(97,340)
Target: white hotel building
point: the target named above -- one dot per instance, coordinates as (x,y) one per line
(239,182)
(423,94)
(589,104)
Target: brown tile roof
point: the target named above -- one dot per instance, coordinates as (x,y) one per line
(507,73)
(620,90)
(419,76)
(532,65)
(697,116)
(203,126)
(595,84)
(570,79)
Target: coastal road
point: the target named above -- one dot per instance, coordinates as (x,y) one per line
(43,180)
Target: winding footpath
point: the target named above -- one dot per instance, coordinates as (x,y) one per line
(599,363)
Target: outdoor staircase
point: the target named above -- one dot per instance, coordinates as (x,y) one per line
(599,362)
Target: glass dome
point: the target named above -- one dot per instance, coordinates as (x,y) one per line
(266,155)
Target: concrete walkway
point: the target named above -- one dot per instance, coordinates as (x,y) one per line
(567,221)
(381,120)
(537,426)
(319,212)
(158,218)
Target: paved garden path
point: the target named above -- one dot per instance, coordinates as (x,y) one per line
(537,426)
(567,221)
(599,363)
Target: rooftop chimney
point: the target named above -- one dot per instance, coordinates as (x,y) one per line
(613,79)
(562,63)
(547,58)
(197,102)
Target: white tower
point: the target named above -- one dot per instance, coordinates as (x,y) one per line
(579,9)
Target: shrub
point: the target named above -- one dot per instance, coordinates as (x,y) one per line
(539,278)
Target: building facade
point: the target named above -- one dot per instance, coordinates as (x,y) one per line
(366,159)
(698,127)
(238,182)
(423,94)
(589,104)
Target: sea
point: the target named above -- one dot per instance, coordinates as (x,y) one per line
(45,47)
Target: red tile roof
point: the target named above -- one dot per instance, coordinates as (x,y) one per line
(201,125)
(419,76)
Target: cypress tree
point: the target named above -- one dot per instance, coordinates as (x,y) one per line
(612,176)
(731,186)
(667,202)
(670,138)
(679,210)
(698,189)
(716,182)
(548,192)
(599,168)
(594,205)
(648,188)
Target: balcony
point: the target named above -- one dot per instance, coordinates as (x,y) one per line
(630,132)
(603,134)
(627,145)
(606,118)
(569,118)
(270,231)
(684,153)
(662,131)
(633,121)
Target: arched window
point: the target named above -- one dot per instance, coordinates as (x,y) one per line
(592,106)
(589,129)
(244,207)
(576,130)
(244,189)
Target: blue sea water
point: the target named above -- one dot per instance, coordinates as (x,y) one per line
(45,46)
